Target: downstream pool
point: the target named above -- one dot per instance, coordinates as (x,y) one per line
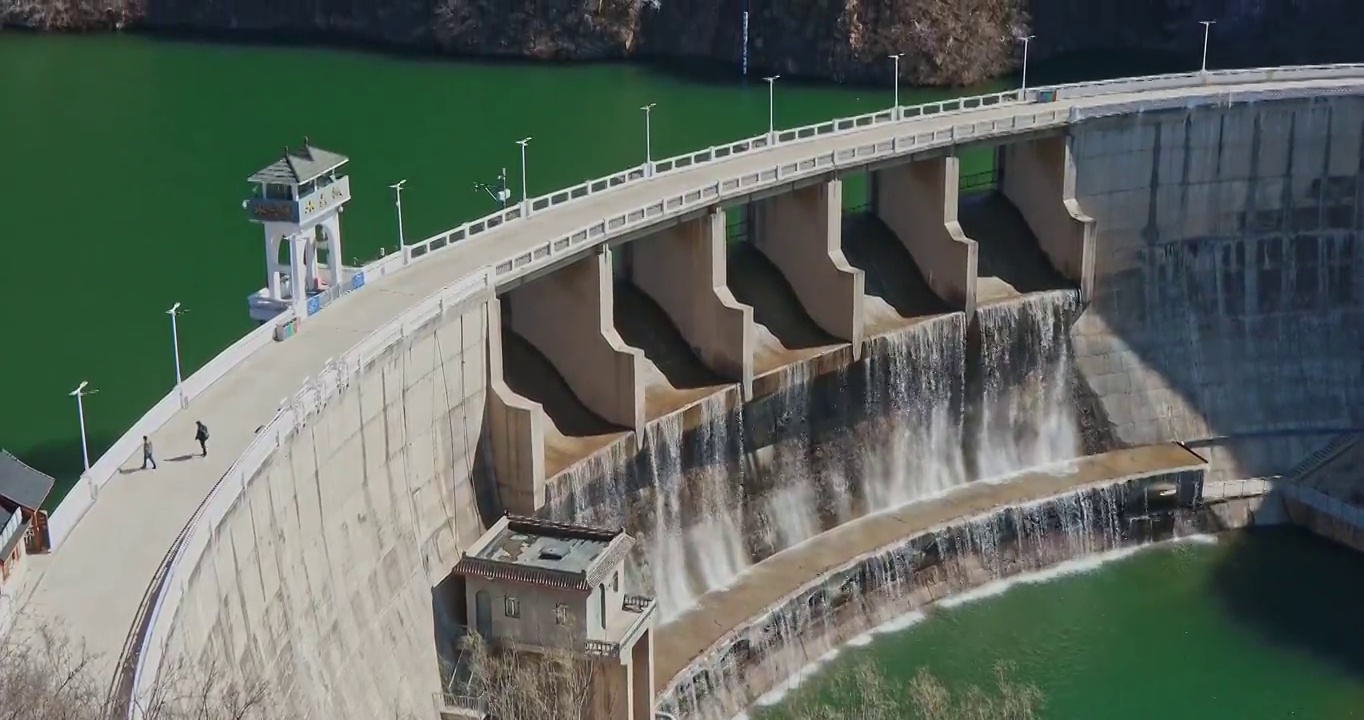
(1257,625)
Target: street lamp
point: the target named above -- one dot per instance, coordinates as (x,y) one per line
(175,312)
(525,206)
(648,141)
(79,393)
(1207,29)
(398,201)
(896,57)
(771,108)
(1023,89)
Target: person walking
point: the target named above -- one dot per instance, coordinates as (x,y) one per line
(147,453)
(201,434)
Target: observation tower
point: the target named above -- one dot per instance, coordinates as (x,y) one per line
(298,200)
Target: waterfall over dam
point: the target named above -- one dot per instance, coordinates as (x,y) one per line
(812,438)
(924,411)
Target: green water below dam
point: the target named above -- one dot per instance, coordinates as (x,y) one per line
(1255,626)
(125,166)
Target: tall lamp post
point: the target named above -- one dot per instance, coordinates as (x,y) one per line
(1207,30)
(525,204)
(79,393)
(771,109)
(398,201)
(1023,88)
(648,140)
(174,312)
(895,113)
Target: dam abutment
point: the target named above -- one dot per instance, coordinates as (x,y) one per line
(569,317)
(515,430)
(918,202)
(801,232)
(683,270)
(1038,177)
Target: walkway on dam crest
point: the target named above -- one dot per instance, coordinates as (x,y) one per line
(92,585)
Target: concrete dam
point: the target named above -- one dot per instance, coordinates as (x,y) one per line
(792,398)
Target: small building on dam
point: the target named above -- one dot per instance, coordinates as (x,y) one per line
(712,416)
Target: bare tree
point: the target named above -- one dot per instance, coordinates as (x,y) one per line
(44,675)
(863,693)
(206,691)
(554,683)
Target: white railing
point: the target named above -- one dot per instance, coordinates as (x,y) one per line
(550,251)
(843,126)
(151,629)
(82,495)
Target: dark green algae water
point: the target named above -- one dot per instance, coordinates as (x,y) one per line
(1268,624)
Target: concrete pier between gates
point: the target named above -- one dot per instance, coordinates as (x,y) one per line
(801,233)
(683,270)
(516,431)
(918,202)
(569,316)
(1039,179)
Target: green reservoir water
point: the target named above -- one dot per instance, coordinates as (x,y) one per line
(1258,626)
(126,163)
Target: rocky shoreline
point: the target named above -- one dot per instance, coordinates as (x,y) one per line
(946,42)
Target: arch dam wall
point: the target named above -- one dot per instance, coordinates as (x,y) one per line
(1227,295)
(321,575)
(1222,280)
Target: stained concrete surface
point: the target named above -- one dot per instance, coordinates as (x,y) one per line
(786,334)
(719,612)
(674,376)
(575,431)
(320,577)
(897,295)
(1010,260)
(1229,290)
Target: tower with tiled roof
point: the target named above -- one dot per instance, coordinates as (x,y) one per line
(298,200)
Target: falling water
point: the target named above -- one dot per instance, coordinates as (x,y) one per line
(592,492)
(1026,417)
(717,538)
(696,546)
(913,378)
(668,555)
(790,510)
(976,557)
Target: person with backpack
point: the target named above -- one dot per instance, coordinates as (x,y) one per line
(201,435)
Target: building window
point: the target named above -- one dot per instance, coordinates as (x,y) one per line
(561,614)
(511,606)
(615,582)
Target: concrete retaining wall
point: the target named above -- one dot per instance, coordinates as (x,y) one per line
(928,566)
(801,233)
(683,270)
(1228,298)
(918,202)
(321,575)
